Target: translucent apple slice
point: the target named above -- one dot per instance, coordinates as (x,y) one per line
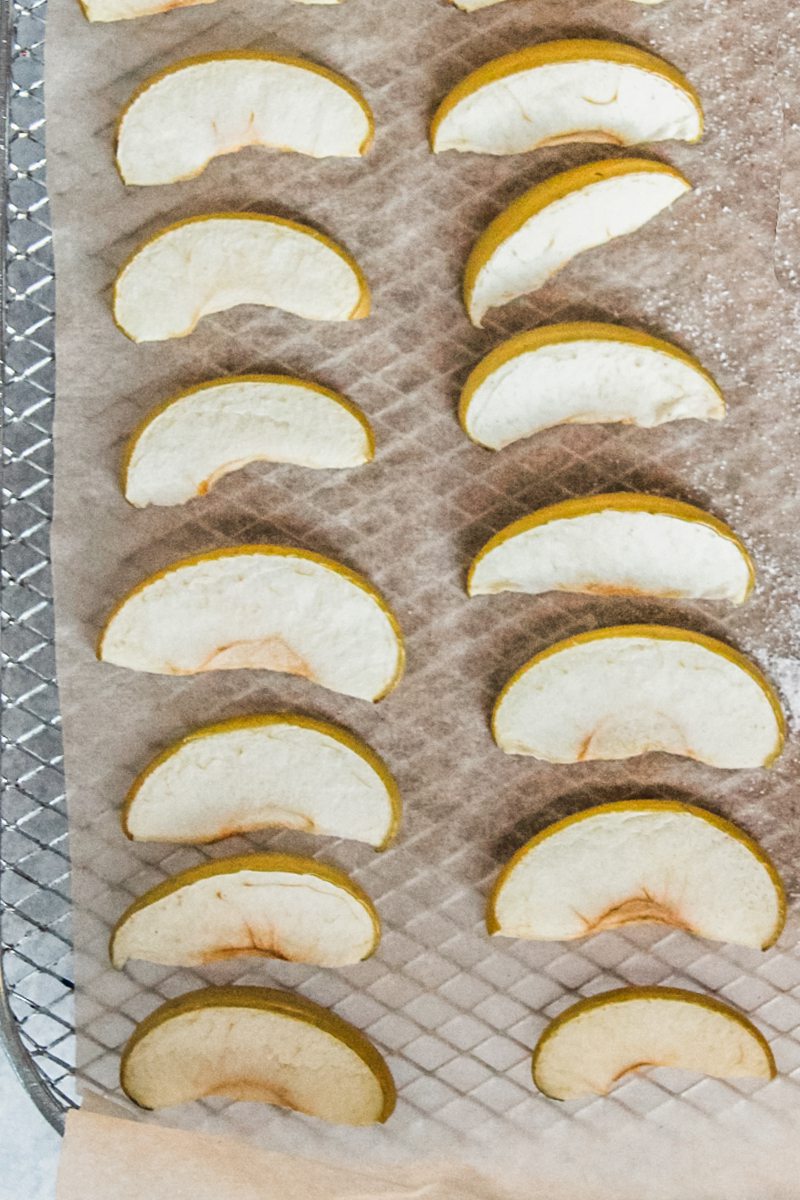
(124,10)
(256,905)
(250,1043)
(556,220)
(179,120)
(259,607)
(577,90)
(598,1042)
(631,689)
(638,861)
(581,373)
(185,446)
(213,263)
(618,544)
(276,770)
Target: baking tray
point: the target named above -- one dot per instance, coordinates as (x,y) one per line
(35,976)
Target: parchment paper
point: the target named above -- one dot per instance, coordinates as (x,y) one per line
(456,1014)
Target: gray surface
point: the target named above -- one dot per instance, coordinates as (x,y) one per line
(28,1146)
(35,1000)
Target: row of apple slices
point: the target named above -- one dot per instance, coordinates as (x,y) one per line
(603,868)
(250,1043)
(185,271)
(573,373)
(610,693)
(177,121)
(613,865)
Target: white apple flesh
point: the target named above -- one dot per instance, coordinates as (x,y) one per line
(596,1043)
(257,1044)
(199,109)
(207,265)
(629,690)
(257,905)
(639,861)
(282,771)
(259,608)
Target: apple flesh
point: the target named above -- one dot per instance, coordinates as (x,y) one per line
(257,1044)
(623,544)
(639,861)
(631,689)
(582,373)
(259,607)
(566,215)
(598,1042)
(270,771)
(572,90)
(261,905)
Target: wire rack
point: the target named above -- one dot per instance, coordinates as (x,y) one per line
(35,972)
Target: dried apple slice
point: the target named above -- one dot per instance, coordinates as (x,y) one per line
(259,607)
(599,1041)
(250,1043)
(581,373)
(637,861)
(276,770)
(124,10)
(631,689)
(256,905)
(619,544)
(185,446)
(577,90)
(209,264)
(569,213)
(179,120)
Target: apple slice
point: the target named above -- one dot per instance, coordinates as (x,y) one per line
(211,263)
(640,860)
(179,120)
(571,212)
(578,90)
(599,1041)
(260,607)
(277,770)
(185,446)
(256,905)
(251,1043)
(581,373)
(123,10)
(619,544)
(632,689)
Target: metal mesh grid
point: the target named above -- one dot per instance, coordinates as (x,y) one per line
(36,992)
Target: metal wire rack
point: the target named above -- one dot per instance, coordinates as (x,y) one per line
(35,973)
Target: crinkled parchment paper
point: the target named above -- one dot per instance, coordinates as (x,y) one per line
(456,1014)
